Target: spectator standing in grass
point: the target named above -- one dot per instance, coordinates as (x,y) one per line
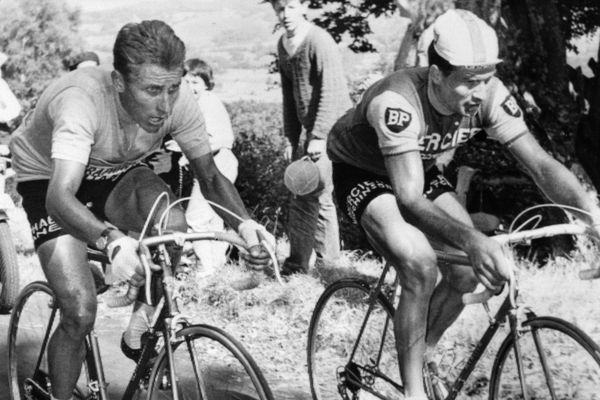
(315,94)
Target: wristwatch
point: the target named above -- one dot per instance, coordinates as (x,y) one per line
(102,241)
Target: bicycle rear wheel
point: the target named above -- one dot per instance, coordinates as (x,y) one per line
(9,270)
(559,362)
(32,320)
(334,330)
(209,365)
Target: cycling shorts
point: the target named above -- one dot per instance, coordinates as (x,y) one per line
(92,193)
(355,188)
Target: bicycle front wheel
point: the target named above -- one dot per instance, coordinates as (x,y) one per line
(209,365)
(335,330)
(559,362)
(9,270)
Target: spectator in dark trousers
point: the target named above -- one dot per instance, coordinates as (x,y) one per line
(315,95)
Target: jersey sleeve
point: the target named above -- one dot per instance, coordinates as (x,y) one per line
(503,118)
(75,120)
(396,122)
(188,127)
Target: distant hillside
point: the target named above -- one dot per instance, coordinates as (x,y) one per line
(229,33)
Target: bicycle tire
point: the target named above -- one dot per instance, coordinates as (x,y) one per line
(9,270)
(333,331)
(30,322)
(572,361)
(224,370)
(25,337)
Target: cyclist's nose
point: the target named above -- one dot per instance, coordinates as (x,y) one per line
(164,103)
(479,91)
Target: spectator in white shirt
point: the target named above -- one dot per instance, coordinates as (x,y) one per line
(10,108)
(200,215)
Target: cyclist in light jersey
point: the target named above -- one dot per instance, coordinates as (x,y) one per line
(79,170)
(384,152)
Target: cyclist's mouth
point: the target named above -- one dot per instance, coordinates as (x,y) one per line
(472,108)
(157,121)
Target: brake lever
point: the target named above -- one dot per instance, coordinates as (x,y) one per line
(263,242)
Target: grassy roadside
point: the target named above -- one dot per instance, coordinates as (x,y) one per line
(272,320)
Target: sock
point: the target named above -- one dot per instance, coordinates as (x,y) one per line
(138,324)
(54,398)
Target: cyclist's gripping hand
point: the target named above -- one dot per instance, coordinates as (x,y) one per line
(124,261)
(258,256)
(489,261)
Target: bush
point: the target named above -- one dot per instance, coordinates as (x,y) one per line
(259,146)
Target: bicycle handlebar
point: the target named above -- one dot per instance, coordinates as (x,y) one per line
(179,238)
(522,236)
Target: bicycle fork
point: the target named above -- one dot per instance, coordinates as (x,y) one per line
(515,319)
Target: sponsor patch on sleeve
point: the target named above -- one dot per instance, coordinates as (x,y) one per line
(510,106)
(396,119)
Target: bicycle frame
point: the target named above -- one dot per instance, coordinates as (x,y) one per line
(167,311)
(494,324)
(508,310)
(167,317)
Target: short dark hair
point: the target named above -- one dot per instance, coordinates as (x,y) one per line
(441,62)
(147,42)
(198,67)
(73,62)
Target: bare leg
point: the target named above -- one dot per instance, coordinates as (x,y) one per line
(64,261)
(446,302)
(409,250)
(127,207)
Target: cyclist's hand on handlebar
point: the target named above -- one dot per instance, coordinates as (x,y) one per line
(490,263)
(125,263)
(257,255)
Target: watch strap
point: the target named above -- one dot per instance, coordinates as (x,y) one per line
(106,232)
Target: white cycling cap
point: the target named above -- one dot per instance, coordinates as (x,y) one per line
(464,39)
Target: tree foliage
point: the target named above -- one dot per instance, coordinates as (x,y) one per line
(341,17)
(578,18)
(36,35)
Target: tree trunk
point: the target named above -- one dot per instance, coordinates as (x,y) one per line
(421,14)
(587,141)
(406,56)
(539,46)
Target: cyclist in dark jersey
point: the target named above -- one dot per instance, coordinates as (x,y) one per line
(384,154)
(78,158)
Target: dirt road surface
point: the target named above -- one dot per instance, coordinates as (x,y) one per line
(109,326)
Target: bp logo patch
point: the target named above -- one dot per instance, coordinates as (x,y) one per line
(396,119)
(510,106)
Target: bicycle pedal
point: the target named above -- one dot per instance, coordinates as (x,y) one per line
(34,391)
